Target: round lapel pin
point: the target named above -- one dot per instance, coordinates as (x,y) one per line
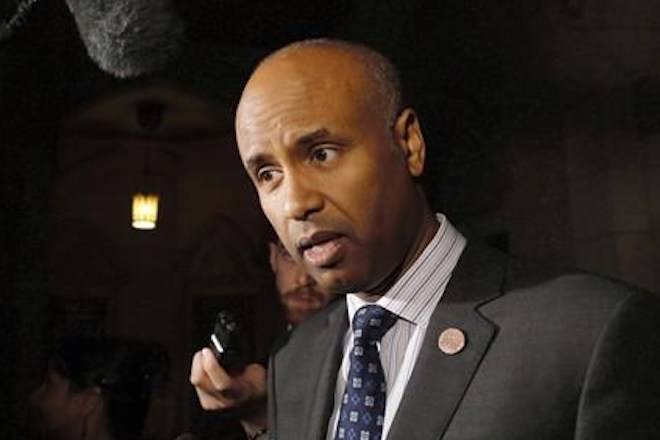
(451,341)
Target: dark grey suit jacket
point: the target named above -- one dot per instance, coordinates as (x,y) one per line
(547,357)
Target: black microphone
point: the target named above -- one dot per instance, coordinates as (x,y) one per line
(126,38)
(229,342)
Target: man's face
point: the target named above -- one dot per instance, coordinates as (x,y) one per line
(333,178)
(299,294)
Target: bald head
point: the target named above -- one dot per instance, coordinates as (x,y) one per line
(380,75)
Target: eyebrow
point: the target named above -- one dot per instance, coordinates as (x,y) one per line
(312,137)
(253,162)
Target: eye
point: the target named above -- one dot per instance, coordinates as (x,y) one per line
(323,154)
(266,174)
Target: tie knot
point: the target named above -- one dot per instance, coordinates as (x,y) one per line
(370,323)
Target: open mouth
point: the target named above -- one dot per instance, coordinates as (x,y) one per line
(322,249)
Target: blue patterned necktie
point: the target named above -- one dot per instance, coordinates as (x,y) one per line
(363,406)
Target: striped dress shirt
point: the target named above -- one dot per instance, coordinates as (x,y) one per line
(413,298)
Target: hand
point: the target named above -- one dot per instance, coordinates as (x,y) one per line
(217,390)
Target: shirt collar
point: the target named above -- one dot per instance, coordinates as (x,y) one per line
(415,294)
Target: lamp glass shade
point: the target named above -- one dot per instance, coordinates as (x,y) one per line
(145,211)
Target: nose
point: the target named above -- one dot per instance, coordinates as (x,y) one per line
(301,198)
(302,278)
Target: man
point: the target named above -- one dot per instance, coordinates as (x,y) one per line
(469,345)
(299,294)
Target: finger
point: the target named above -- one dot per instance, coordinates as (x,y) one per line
(219,378)
(211,402)
(197,373)
(199,377)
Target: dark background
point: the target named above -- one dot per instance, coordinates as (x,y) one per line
(542,119)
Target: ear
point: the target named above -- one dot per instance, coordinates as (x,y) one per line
(272,248)
(408,136)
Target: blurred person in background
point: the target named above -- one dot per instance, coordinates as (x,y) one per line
(299,294)
(98,388)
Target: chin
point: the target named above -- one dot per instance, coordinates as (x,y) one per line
(338,282)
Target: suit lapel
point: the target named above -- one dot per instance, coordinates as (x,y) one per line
(439,380)
(328,351)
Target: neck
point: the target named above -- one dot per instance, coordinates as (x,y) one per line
(428,226)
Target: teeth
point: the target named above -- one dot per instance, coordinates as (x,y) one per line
(319,240)
(321,253)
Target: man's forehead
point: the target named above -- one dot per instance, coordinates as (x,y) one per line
(306,70)
(273,101)
(301,92)
(294,107)
(283,121)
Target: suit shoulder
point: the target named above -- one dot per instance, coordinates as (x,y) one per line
(553,282)
(580,286)
(307,330)
(571,298)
